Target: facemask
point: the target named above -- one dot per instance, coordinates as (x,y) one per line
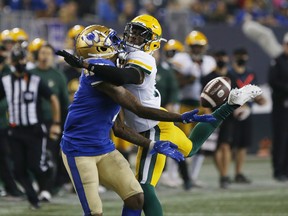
(2,59)
(221,64)
(20,68)
(241,62)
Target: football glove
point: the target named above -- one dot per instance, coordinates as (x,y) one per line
(191,116)
(167,148)
(72,60)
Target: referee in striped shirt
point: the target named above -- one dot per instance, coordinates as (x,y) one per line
(28,135)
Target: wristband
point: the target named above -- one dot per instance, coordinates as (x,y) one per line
(56,123)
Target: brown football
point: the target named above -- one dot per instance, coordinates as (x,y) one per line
(215,92)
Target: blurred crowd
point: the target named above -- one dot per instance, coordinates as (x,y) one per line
(175,81)
(272,13)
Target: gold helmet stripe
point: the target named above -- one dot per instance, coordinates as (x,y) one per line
(140,64)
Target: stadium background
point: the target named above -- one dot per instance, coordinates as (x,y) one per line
(176,24)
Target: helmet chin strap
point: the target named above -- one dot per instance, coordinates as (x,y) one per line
(132,47)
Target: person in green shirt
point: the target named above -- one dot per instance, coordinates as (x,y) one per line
(6,175)
(57,83)
(167,85)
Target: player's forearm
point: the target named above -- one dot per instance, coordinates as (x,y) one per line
(132,136)
(117,76)
(158,114)
(124,132)
(128,101)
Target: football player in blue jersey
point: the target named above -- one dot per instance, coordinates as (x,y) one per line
(141,73)
(88,153)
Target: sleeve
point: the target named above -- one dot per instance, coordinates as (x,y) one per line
(181,63)
(114,75)
(44,90)
(142,61)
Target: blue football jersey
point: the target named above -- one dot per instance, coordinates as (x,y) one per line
(90,118)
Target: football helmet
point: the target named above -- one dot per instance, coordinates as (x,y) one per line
(75,31)
(197,43)
(173,46)
(19,35)
(196,38)
(35,44)
(97,41)
(6,35)
(143,33)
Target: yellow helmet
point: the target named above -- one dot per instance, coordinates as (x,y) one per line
(35,44)
(174,45)
(75,31)
(6,35)
(196,38)
(148,32)
(19,35)
(97,41)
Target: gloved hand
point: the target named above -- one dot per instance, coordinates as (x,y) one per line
(192,116)
(167,148)
(71,59)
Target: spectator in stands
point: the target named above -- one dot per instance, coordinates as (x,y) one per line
(282,16)
(109,10)
(196,17)
(218,13)
(128,13)
(70,8)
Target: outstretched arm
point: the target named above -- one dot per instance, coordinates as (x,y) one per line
(120,76)
(117,76)
(162,147)
(128,101)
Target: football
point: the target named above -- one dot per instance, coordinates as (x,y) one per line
(215,92)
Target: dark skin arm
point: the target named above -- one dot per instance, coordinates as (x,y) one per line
(128,101)
(116,76)
(124,132)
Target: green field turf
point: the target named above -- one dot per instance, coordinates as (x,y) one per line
(264,197)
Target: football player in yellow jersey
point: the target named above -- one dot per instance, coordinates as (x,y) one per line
(142,36)
(190,66)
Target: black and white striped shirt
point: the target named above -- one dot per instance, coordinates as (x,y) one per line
(23,95)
